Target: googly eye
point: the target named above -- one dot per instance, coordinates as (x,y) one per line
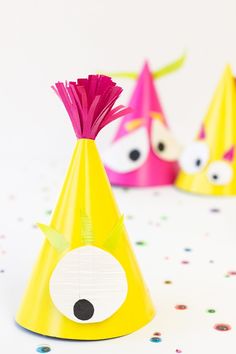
(128,153)
(219,173)
(88,285)
(163,143)
(194,157)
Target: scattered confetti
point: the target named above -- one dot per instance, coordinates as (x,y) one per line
(155,340)
(214,210)
(158,334)
(43,349)
(222,327)
(129,217)
(184,262)
(181,307)
(140,243)
(187,249)
(167,282)
(164,217)
(48,212)
(211,311)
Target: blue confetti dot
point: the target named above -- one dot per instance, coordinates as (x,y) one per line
(43,349)
(155,340)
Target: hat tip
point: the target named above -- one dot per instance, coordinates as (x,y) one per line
(228,70)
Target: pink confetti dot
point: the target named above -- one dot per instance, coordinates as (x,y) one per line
(181,307)
(185,261)
(223,327)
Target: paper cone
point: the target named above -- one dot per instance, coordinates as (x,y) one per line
(208,165)
(91,226)
(143,152)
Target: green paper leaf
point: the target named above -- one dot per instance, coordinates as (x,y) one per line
(113,238)
(55,238)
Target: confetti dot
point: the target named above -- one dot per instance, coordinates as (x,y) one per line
(222,327)
(140,243)
(232,272)
(2,271)
(184,261)
(187,249)
(158,334)
(48,212)
(178,351)
(181,307)
(155,340)
(163,217)
(43,349)
(211,261)
(129,217)
(211,311)
(214,210)
(168,282)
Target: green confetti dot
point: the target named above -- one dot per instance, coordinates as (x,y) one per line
(164,217)
(140,243)
(48,212)
(211,311)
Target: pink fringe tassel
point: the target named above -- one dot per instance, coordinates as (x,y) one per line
(89,103)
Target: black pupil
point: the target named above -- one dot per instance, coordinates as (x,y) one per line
(215,177)
(161,146)
(83,310)
(134,155)
(198,162)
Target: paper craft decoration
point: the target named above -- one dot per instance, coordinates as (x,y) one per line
(144,152)
(86,284)
(208,165)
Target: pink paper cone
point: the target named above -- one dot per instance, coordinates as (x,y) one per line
(143,131)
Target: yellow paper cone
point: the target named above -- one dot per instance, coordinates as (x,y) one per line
(86,240)
(208,165)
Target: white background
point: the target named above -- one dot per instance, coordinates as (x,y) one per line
(45,41)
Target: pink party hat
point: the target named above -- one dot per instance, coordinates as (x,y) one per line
(143,152)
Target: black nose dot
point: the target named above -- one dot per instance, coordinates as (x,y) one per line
(83,310)
(134,155)
(161,146)
(198,162)
(215,177)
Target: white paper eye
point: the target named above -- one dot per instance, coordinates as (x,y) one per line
(194,157)
(219,173)
(88,285)
(129,152)
(163,142)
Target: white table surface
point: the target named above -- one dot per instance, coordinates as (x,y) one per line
(175,227)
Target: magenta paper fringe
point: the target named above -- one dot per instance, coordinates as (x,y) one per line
(89,103)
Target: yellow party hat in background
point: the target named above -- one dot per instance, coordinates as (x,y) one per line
(86,283)
(208,165)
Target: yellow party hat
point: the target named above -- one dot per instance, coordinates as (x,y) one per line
(86,284)
(208,165)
